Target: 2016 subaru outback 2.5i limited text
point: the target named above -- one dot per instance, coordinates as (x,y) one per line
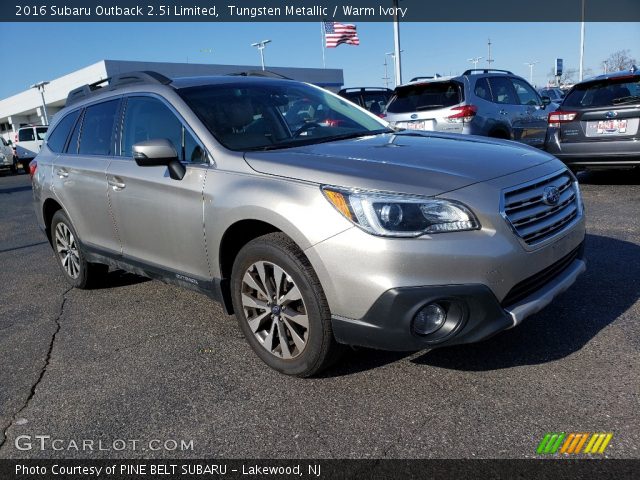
(306,215)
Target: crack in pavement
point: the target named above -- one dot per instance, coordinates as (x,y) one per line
(42,371)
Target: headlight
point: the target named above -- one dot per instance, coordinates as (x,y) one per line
(395,215)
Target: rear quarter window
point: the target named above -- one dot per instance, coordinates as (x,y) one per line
(58,136)
(425,96)
(26,135)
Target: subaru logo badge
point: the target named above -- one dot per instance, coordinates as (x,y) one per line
(551,196)
(414,116)
(611,114)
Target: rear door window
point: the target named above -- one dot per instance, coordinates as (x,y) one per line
(482,89)
(375,101)
(604,93)
(425,96)
(97,128)
(502,90)
(59,135)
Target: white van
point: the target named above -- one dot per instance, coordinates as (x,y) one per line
(28,143)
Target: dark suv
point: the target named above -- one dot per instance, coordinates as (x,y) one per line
(492,103)
(597,124)
(373,99)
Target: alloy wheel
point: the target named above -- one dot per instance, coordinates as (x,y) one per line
(67,250)
(275,310)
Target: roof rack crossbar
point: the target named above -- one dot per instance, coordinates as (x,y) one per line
(486,70)
(114,82)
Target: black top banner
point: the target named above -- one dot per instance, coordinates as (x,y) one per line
(319,10)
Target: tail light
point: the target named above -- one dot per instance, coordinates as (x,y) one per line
(15,138)
(463,114)
(382,115)
(33,167)
(556,118)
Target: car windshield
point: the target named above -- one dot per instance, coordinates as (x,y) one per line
(425,96)
(265,116)
(604,93)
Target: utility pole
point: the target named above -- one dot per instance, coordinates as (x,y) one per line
(40,86)
(261,46)
(386,73)
(489,59)
(475,61)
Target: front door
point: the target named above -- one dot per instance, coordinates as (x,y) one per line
(159,220)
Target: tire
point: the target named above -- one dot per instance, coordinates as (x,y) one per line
(72,261)
(25,166)
(310,346)
(13,168)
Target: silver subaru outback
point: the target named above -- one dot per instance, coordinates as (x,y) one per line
(305,215)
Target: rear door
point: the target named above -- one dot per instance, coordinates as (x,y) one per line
(79,175)
(509,111)
(531,122)
(160,220)
(605,110)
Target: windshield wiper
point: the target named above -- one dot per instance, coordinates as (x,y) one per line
(312,141)
(629,99)
(346,136)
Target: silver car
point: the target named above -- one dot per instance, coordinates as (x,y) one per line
(491,103)
(305,215)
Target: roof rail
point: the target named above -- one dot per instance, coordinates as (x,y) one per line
(486,70)
(259,73)
(114,82)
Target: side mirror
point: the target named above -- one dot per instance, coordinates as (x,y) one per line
(546,101)
(159,152)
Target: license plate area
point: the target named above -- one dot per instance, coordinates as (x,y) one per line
(417,125)
(611,127)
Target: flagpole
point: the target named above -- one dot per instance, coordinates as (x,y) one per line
(324,63)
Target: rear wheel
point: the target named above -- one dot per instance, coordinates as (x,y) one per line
(72,261)
(281,308)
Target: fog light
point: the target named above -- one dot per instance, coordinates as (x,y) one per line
(429,319)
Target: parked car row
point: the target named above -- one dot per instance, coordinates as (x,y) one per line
(309,218)
(594,125)
(28,142)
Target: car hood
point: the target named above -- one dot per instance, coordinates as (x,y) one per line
(417,163)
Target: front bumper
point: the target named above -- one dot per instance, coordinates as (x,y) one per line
(388,323)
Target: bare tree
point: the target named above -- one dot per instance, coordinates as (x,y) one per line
(568,76)
(620,60)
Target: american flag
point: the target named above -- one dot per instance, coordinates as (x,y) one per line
(338,33)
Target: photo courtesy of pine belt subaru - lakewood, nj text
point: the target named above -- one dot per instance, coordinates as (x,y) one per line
(306,215)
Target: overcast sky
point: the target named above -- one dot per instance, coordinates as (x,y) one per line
(43,51)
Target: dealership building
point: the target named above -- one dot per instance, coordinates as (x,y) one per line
(25,108)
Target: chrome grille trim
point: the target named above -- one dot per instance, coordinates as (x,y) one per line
(534,221)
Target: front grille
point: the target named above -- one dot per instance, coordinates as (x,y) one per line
(540,279)
(532,217)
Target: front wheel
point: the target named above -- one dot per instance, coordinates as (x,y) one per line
(77,271)
(281,308)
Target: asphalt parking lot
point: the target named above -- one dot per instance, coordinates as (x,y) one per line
(139,361)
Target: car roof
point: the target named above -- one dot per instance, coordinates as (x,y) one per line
(186,82)
(634,72)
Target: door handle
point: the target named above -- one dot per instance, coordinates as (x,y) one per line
(62,172)
(116,183)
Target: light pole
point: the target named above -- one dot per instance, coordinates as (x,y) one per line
(582,44)
(531,65)
(489,59)
(386,73)
(396,43)
(40,86)
(395,65)
(261,46)
(475,61)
